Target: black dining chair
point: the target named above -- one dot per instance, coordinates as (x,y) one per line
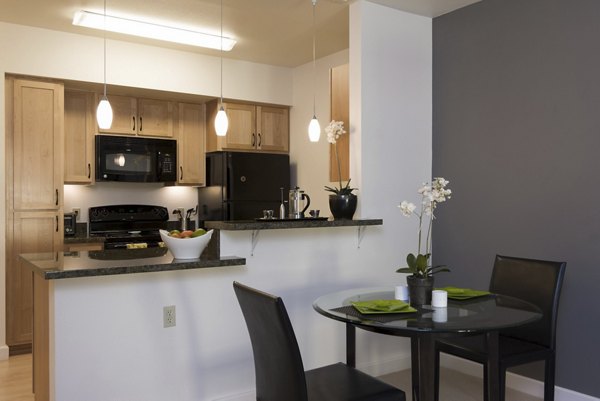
(538,282)
(280,374)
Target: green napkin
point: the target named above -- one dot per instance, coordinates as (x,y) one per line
(383,306)
(463,293)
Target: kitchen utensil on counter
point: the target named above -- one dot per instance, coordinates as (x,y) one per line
(314,213)
(268,214)
(296,201)
(179,213)
(282,206)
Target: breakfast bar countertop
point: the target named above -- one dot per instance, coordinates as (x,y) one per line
(275,224)
(60,265)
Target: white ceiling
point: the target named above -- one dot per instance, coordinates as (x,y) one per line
(277,32)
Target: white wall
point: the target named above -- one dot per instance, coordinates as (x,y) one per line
(390,115)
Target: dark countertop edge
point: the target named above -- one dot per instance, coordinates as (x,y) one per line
(275,224)
(109,271)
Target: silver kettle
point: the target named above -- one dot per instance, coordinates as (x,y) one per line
(296,200)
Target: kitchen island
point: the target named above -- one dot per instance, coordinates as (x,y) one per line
(76,294)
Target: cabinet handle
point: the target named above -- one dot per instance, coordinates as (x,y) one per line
(133,119)
(57,197)
(259,140)
(141,121)
(253,139)
(89,171)
(180,173)
(56,223)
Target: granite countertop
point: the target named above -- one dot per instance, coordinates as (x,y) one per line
(59,265)
(274,224)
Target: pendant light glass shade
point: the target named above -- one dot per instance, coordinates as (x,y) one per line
(221,122)
(104,114)
(314,130)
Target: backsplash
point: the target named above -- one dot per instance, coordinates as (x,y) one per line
(117,193)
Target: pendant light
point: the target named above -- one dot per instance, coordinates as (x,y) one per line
(221,121)
(314,129)
(104,113)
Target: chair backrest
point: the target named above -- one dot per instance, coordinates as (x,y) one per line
(277,360)
(536,281)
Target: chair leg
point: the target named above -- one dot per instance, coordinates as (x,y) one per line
(485,383)
(436,380)
(549,371)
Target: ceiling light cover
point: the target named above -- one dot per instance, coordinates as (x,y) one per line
(153,31)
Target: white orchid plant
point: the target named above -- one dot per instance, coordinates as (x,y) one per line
(431,195)
(334,131)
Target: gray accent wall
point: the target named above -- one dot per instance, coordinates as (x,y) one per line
(516,130)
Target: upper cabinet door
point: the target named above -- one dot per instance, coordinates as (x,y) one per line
(38,145)
(80,121)
(190,144)
(133,116)
(155,118)
(124,115)
(272,128)
(251,127)
(241,133)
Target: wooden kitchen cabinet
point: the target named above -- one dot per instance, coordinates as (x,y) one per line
(80,120)
(251,127)
(191,144)
(340,111)
(139,116)
(32,232)
(36,145)
(34,188)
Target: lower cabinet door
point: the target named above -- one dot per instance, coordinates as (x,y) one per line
(33,232)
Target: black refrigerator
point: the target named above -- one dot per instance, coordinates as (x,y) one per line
(239,186)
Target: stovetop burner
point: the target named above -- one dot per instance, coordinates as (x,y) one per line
(122,224)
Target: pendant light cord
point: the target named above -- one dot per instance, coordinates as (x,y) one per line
(104,48)
(221,53)
(314,2)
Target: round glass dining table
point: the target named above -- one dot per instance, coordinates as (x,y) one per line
(478,315)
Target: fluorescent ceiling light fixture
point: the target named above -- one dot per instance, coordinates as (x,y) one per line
(152,31)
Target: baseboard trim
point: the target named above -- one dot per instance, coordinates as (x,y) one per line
(516,382)
(3,352)
(386,366)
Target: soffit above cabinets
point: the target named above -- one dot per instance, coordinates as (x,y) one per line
(275,32)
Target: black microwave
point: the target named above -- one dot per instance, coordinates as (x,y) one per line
(135,159)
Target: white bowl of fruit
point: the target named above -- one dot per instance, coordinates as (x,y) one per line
(186,244)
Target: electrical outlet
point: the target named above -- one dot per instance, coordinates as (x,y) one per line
(77,212)
(169,318)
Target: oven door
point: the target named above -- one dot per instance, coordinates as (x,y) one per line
(135,159)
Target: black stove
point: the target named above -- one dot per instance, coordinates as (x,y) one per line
(126,225)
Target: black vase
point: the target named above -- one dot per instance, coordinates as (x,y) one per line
(342,206)
(419,290)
